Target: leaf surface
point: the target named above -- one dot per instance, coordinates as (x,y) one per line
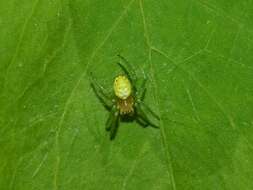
(198,58)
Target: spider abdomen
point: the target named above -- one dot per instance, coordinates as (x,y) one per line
(122,87)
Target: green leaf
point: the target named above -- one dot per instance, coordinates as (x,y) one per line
(198,58)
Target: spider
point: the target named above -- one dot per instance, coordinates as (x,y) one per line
(126,102)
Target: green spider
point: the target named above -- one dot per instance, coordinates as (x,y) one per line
(126,103)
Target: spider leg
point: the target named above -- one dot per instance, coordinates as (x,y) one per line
(141,93)
(101,93)
(110,119)
(142,122)
(143,111)
(146,109)
(114,124)
(127,68)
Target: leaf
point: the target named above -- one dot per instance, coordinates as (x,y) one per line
(198,58)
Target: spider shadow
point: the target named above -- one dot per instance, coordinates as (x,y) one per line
(134,118)
(127,118)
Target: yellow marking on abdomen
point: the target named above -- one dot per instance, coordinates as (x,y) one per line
(122,87)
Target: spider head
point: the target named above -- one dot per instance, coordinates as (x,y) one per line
(122,87)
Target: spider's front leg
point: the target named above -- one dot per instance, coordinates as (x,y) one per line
(112,122)
(128,69)
(101,93)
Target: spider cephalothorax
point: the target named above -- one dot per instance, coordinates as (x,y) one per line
(126,100)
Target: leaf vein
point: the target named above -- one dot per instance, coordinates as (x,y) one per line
(222,109)
(21,37)
(36,171)
(69,99)
(162,130)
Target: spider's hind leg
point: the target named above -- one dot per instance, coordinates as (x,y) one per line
(112,122)
(148,110)
(142,122)
(142,91)
(111,118)
(143,113)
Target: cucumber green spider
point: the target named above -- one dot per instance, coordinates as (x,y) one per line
(126,100)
